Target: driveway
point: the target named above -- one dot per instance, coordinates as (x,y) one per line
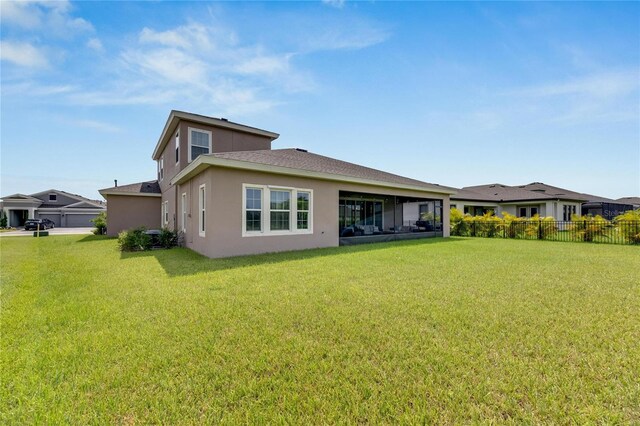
(54,231)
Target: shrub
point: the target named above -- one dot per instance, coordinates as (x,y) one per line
(3,219)
(100,222)
(459,227)
(590,228)
(134,240)
(628,225)
(510,225)
(168,238)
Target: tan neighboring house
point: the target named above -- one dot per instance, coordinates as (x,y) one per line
(534,198)
(229,193)
(64,209)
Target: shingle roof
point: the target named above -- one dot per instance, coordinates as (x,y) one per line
(498,192)
(299,159)
(20,197)
(150,187)
(629,200)
(567,194)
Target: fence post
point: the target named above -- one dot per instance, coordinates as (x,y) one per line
(539,229)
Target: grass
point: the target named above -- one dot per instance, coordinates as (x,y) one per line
(446,331)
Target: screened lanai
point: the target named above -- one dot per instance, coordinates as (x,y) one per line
(364,217)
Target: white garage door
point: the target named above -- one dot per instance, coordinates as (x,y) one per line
(79,220)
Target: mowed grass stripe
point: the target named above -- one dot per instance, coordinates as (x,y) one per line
(450,331)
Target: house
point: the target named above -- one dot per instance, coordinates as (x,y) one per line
(593,204)
(223,186)
(534,199)
(633,201)
(64,209)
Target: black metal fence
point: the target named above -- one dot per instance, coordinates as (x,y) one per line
(592,231)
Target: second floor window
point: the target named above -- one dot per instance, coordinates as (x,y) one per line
(177,147)
(199,143)
(161,169)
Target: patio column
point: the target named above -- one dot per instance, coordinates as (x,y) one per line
(32,213)
(395,207)
(6,214)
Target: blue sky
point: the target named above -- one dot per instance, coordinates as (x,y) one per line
(452,93)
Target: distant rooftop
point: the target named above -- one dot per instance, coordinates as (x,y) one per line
(150,188)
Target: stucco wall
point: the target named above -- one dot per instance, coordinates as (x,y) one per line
(223,140)
(224,215)
(126,212)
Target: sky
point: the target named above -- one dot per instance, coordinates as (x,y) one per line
(452,93)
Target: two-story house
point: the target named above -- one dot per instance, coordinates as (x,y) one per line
(223,186)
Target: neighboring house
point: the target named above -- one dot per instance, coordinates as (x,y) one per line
(634,201)
(64,209)
(229,193)
(592,204)
(534,198)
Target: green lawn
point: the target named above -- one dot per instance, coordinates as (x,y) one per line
(447,331)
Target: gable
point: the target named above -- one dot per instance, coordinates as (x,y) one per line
(62,198)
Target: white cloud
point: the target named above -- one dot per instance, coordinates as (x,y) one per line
(49,17)
(595,98)
(95,44)
(20,13)
(338,4)
(206,65)
(192,36)
(96,125)
(22,54)
(602,85)
(172,65)
(265,65)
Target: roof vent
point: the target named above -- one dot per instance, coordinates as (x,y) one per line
(223,119)
(301,150)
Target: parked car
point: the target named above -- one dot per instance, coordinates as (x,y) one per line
(34,223)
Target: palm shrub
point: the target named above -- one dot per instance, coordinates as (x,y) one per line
(589,228)
(489,224)
(628,225)
(459,227)
(511,225)
(541,228)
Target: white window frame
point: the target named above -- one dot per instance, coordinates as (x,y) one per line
(177,150)
(55,200)
(202,209)
(161,169)
(308,211)
(189,130)
(165,216)
(183,214)
(266,211)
